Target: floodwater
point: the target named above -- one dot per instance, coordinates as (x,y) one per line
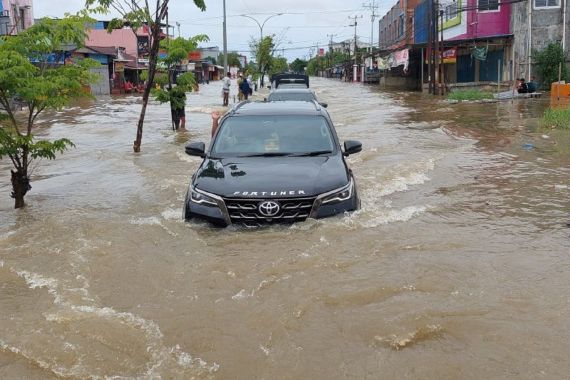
(457,266)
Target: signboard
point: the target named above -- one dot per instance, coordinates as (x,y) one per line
(194,56)
(321,52)
(450,56)
(119,67)
(143,45)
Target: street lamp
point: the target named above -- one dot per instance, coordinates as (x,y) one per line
(261,35)
(262,24)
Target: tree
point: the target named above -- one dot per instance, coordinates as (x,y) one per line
(233,59)
(263,51)
(547,63)
(298,65)
(177,50)
(136,16)
(278,65)
(38,87)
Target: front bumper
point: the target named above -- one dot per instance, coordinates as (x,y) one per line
(244,211)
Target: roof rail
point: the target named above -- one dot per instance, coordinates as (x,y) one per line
(237,106)
(317,105)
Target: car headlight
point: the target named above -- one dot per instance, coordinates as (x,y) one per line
(202,198)
(339,195)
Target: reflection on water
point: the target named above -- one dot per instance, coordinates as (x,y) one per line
(454,267)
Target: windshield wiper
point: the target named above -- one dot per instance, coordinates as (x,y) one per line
(267,154)
(315,153)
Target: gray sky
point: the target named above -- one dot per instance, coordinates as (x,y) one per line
(305,24)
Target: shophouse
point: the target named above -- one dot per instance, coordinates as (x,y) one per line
(475,41)
(15,16)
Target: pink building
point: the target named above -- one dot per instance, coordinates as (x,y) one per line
(15,16)
(124,38)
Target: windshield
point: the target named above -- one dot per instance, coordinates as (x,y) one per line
(273,135)
(296,96)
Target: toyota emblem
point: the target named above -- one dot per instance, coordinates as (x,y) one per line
(269,208)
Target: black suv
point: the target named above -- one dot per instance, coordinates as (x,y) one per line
(272,162)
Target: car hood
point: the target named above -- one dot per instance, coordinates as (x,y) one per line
(271,177)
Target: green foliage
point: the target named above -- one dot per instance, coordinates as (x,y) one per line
(278,65)
(38,87)
(13,144)
(315,65)
(556,118)
(177,95)
(233,59)
(177,49)
(547,63)
(471,94)
(298,65)
(263,52)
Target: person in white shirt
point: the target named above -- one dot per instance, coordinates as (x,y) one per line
(226,90)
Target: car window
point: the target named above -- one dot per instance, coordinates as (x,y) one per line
(299,96)
(273,134)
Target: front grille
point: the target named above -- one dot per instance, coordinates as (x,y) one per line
(246,211)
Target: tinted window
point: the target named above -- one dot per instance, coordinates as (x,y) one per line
(300,96)
(273,134)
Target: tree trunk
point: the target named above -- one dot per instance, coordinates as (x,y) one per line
(20,186)
(153,56)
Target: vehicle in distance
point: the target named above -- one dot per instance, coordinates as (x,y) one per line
(293,94)
(288,80)
(272,162)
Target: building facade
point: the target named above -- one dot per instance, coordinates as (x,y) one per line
(15,16)
(477,40)
(535,24)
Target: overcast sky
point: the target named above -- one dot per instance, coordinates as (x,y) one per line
(304,24)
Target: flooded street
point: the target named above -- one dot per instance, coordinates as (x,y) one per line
(457,266)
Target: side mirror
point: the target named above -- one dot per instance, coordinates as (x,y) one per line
(325,105)
(352,147)
(196,149)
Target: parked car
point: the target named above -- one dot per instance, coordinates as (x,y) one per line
(293,94)
(272,162)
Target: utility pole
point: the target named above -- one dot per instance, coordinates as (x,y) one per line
(373,8)
(331,49)
(355,23)
(436,48)
(225,43)
(441,63)
(178,26)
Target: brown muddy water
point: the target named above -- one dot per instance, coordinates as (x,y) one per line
(457,266)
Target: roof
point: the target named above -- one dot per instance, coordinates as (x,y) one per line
(277,109)
(292,90)
(105,50)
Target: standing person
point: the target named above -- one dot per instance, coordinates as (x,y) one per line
(178,108)
(239,82)
(245,89)
(226,82)
(250,81)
